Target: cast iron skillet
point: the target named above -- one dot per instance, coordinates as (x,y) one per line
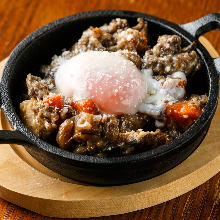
(40,46)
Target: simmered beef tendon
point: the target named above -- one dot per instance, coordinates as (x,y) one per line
(110,127)
(115,36)
(93,39)
(65,134)
(131,40)
(39,117)
(82,133)
(167,45)
(132,122)
(102,134)
(141,26)
(144,140)
(167,57)
(116,25)
(67,112)
(37,87)
(132,56)
(88,123)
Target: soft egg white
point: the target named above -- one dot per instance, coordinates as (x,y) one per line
(161,92)
(113,82)
(116,85)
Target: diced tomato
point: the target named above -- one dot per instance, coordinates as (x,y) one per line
(182,114)
(55,101)
(85,105)
(182,83)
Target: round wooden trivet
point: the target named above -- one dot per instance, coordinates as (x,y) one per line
(27,183)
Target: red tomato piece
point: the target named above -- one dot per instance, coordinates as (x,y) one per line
(86,105)
(55,101)
(182,114)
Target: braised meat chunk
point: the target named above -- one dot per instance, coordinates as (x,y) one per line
(132,122)
(37,87)
(93,39)
(99,133)
(65,134)
(141,26)
(131,40)
(115,36)
(39,117)
(144,139)
(167,45)
(168,57)
(132,56)
(116,25)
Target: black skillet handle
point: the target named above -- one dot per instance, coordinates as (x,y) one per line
(203,25)
(11,137)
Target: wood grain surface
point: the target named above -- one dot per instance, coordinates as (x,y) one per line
(20,17)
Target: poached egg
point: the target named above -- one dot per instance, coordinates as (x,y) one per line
(113,82)
(116,85)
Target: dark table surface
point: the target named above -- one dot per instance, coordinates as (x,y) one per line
(18,18)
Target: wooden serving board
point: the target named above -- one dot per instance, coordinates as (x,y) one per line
(27,183)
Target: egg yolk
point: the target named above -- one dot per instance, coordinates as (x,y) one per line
(113,82)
